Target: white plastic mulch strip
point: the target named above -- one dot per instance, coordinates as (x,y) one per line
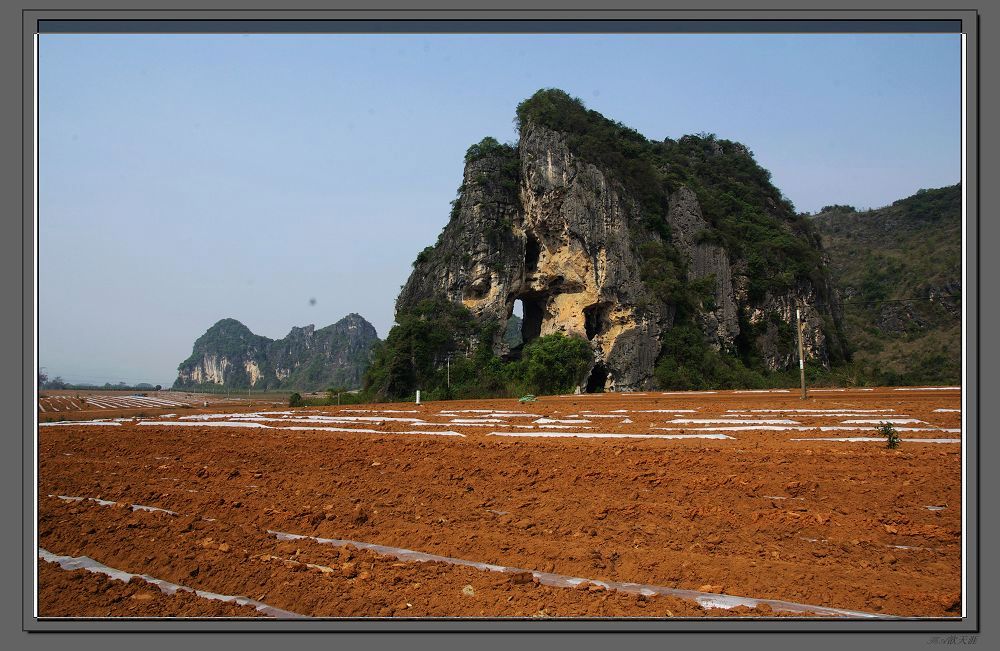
(762,391)
(367,431)
(663,411)
(874,439)
(346,420)
(135,507)
(621,412)
(705,599)
(799,428)
(948,411)
(685,393)
(810,411)
(566,421)
(894,421)
(94,400)
(473,421)
(213,423)
(594,435)
(315,428)
(740,428)
(481,424)
(846,414)
(496,412)
(232,415)
(833,428)
(565,426)
(89,564)
(80,422)
(928,389)
(383,411)
(733,421)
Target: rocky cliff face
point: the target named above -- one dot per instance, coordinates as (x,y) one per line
(565,234)
(229,355)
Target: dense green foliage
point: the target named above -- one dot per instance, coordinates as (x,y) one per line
(899,269)
(687,362)
(552,364)
(417,351)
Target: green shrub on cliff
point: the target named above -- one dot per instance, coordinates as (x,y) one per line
(428,350)
(552,364)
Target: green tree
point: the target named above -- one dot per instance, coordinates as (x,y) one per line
(553,364)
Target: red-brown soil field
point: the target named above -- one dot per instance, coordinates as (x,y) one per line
(536,487)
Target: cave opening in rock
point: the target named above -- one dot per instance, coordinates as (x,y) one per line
(597,379)
(532,309)
(595,319)
(532,252)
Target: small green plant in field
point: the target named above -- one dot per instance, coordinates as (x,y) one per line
(890,434)
(295,400)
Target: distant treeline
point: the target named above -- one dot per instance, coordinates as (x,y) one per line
(58,383)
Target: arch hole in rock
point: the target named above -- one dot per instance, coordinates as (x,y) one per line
(532,252)
(532,311)
(597,379)
(512,335)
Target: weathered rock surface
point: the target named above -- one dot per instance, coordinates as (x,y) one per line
(537,223)
(230,355)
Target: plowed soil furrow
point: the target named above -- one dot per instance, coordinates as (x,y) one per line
(843,525)
(79,593)
(310,578)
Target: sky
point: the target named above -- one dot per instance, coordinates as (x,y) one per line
(284,180)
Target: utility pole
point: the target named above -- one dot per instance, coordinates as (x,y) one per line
(799,327)
(449,370)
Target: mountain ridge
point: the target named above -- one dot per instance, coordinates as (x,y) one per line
(230,355)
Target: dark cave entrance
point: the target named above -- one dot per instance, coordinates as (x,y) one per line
(595,319)
(532,311)
(597,379)
(532,252)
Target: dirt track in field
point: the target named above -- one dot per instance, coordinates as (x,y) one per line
(829,523)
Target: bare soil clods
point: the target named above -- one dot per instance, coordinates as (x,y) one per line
(835,524)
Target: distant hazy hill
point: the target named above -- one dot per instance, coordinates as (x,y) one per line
(229,355)
(880,260)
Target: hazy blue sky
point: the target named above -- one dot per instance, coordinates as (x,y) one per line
(184,179)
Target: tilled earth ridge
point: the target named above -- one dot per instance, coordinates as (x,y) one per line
(307,577)
(843,525)
(81,593)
